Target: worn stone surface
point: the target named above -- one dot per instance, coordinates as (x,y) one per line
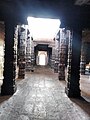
(85,86)
(41,96)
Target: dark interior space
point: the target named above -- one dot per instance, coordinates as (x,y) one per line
(44,78)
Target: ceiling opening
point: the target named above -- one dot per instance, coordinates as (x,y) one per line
(43,28)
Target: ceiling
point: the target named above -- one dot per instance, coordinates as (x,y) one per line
(82,2)
(70,12)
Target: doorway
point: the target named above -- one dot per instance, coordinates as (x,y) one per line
(42,58)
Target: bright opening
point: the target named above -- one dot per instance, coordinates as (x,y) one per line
(42,59)
(43,28)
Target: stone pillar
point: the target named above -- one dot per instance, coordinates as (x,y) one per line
(9,87)
(2,47)
(52,57)
(28,52)
(32,55)
(83,59)
(62,55)
(57,46)
(15,67)
(73,68)
(22,50)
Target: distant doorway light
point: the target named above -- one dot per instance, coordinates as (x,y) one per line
(43,28)
(42,59)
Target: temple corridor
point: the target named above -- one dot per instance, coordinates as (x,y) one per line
(41,96)
(45,60)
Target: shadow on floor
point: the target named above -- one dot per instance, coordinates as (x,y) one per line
(4,98)
(82,103)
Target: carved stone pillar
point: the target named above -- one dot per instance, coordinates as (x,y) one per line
(52,59)
(73,68)
(22,50)
(83,59)
(9,87)
(32,55)
(15,67)
(56,55)
(2,47)
(62,55)
(28,52)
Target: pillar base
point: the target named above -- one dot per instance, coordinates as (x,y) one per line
(21,76)
(55,70)
(82,73)
(61,78)
(10,90)
(72,94)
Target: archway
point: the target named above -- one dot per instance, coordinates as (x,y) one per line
(42,58)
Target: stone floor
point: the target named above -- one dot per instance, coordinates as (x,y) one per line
(41,96)
(85,86)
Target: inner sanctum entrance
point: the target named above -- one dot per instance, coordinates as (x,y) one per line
(42,55)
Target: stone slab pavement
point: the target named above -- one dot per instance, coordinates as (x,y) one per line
(41,96)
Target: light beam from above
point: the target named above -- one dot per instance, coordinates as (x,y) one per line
(43,28)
